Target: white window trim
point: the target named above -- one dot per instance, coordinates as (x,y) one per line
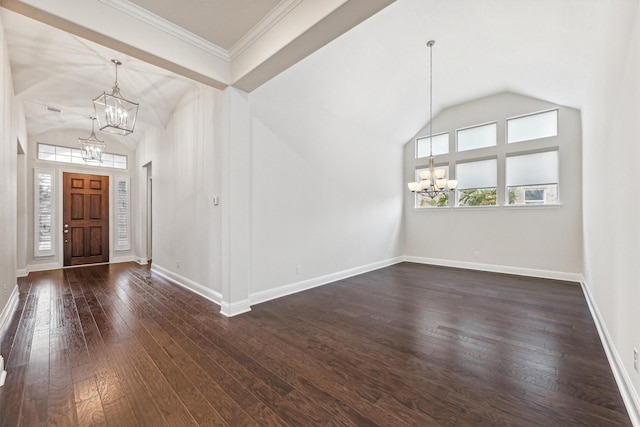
(84,164)
(435,135)
(38,253)
(118,246)
(457,150)
(506,125)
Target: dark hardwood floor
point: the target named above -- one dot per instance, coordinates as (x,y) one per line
(406,345)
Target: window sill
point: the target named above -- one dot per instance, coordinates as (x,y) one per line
(432,208)
(491,207)
(544,206)
(479,208)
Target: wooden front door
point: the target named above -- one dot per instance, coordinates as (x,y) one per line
(86,219)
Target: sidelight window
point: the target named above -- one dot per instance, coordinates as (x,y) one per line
(123,241)
(44,212)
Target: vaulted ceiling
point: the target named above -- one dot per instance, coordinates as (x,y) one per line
(364,60)
(61,51)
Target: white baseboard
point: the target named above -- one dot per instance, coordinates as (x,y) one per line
(625,385)
(235,308)
(142,261)
(123,258)
(269,294)
(8,310)
(22,272)
(189,284)
(530,272)
(43,267)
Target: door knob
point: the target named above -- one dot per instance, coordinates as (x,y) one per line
(66,226)
(66,231)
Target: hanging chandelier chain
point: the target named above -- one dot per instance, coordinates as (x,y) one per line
(433,182)
(430,44)
(116,62)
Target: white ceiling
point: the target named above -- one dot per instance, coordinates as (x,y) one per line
(221,22)
(374,76)
(53,68)
(192,38)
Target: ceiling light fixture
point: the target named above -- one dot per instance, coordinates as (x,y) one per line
(92,148)
(432,181)
(115,114)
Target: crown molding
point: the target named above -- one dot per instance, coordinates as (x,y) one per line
(265,24)
(162,24)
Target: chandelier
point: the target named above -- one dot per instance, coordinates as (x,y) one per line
(115,114)
(91,147)
(432,181)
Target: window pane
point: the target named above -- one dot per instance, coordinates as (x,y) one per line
(44,213)
(63,151)
(533,194)
(60,154)
(482,174)
(530,169)
(63,154)
(47,156)
(477,197)
(477,183)
(440,145)
(122,213)
(535,126)
(119,162)
(477,137)
(44,148)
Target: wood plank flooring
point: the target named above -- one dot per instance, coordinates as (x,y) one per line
(409,344)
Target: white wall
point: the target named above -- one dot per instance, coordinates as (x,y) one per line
(533,240)
(184,170)
(11,129)
(611,118)
(326,192)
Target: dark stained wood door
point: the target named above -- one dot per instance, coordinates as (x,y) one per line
(85,219)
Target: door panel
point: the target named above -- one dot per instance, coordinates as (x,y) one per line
(86,218)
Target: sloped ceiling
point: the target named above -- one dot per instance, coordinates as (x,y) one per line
(62,57)
(52,68)
(375,75)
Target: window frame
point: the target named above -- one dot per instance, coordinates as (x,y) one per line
(40,253)
(418,138)
(75,154)
(458,130)
(522,116)
(523,153)
(126,214)
(459,188)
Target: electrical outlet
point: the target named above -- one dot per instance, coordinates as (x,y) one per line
(476,254)
(178,263)
(635,359)
(298,269)
(5,290)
